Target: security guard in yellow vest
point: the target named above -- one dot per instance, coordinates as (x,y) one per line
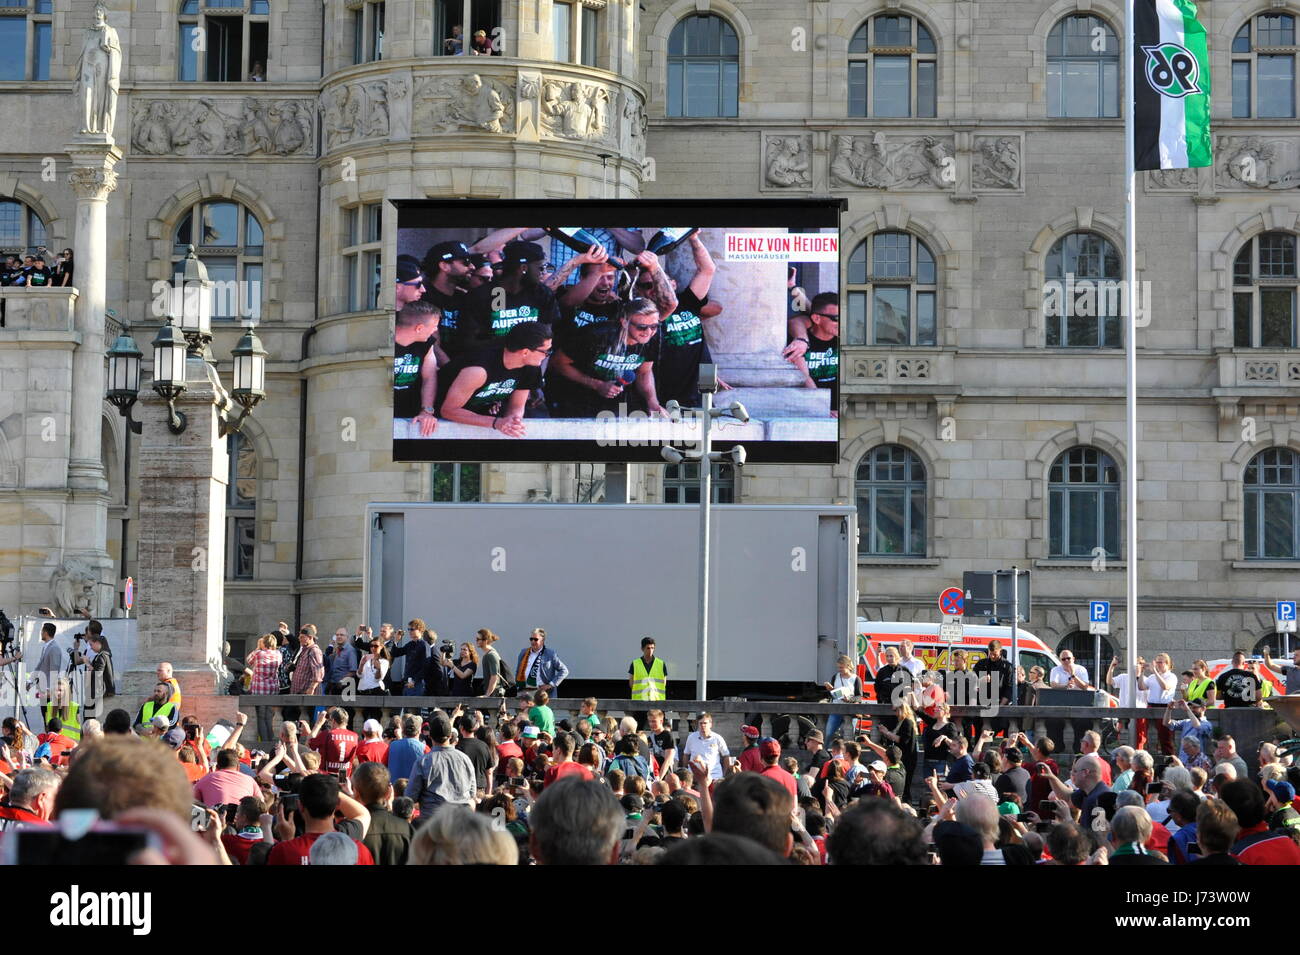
(160,704)
(70,715)
(648,675)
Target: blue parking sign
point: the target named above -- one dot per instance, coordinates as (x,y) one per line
(1099,611)
(1286,610)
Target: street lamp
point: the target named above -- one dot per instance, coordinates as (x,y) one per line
(250,379)
(169,350)
(124,377)
(194,304)
(706,456)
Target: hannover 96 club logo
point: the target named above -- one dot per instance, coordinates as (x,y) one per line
(1172,70)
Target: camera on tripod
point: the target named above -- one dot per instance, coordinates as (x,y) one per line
(6,633)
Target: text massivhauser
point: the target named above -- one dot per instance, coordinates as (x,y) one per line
(77,908)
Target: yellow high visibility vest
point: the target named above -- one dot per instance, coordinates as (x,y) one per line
(72,725)
(1196,688)
(649,684)
(164,709)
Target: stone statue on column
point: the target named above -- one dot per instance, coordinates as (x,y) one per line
(98,71)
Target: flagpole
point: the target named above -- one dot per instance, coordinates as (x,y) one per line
(1130,357)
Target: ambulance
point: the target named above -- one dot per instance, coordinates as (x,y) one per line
(874,636)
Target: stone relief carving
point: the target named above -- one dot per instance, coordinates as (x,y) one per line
(73,585)
(1253,163)
(575,110)
(1173,178)
(997,162)
(342,111)
(875,162)
(200,128)
(447,104)
(788,161)
(400,112)
(377,114)
(634,125)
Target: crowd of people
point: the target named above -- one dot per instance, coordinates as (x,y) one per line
(38,270)
(516,782)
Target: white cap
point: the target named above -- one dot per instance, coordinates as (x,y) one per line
(878,765)
(160,722)
(372,726)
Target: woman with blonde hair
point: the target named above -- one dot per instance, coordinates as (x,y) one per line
(264,665)
(463,670)
(459,836)
(903,735)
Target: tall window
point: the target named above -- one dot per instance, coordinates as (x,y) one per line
(892,68)
(1264,292)
(1083,488)
(562,30)
(1263,67)
(703,67)
(223,41)
(363,235)
(589,36)
(25,39)
(229,241)
(890,489)
(457,482)
(1083,300)
(682,483)
(456,21)
(368,33)
(892,291)
(1272,489)
(21,229)
(1082,69)
(241,509)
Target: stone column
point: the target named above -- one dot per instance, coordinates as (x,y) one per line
(92,178)
(181,539)
(746,339)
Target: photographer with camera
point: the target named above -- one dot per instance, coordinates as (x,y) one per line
(6,641)
(102,686)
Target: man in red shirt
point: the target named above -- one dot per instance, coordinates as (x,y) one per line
(319,799)
(58,743)
(751,761)
(770,750)
(247,831)
(374,748)
(31,799)
(564,765)
(337,744)
(1257,844)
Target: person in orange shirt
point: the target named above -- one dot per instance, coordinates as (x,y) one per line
(59,745)
(190,763)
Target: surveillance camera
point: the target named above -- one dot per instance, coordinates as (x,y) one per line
(738,456)
(671,455)
(738,412)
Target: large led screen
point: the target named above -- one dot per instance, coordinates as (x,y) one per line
(564,330)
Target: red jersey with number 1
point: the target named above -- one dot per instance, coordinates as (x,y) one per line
(336,748)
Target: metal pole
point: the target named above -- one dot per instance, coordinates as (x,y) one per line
(1130,351)
(706,492)
(1015,630)
(1096,656)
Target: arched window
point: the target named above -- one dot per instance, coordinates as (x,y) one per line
(1083,646)
(890,490)
(1083,77)
(228,239)
(1271,494)
(892,291)
(1279,646)
(1263,292)
(892,68)
(703,67)
(682,483)
(25,40)
(1083,490)
(21,230)
(223,41)
(1263,67)
(1084,297)
(241,509)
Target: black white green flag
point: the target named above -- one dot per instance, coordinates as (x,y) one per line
(1171,72)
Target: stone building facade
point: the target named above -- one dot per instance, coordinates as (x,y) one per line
(980,153)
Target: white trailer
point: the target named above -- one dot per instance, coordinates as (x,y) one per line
(599,577)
